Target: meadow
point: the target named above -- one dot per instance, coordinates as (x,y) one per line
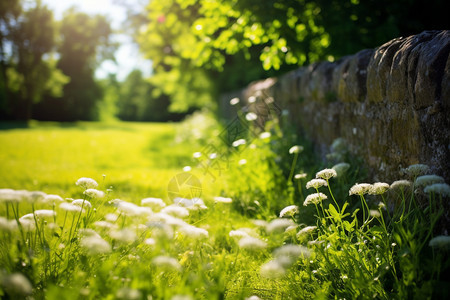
(89,211)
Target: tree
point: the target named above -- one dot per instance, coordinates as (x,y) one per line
(9,12)
(85,43)
(137,101)
(193,43)
(28,68)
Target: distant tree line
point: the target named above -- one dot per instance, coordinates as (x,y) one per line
(47,69)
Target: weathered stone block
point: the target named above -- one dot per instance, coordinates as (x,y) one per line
(432,57)
(378,70)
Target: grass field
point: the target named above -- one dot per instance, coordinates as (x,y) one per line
(137,159)
(270,234)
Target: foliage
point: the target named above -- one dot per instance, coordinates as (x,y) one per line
(359,245)
(47,68)
(199,47)
(85,43)
(28,68)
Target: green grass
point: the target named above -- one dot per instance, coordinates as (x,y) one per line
(371,244)
(137,159)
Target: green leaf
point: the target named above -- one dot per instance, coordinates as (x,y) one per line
(334,213)
(349,226)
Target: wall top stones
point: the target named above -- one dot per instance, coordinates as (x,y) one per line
(391,104)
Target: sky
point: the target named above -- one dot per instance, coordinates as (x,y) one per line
(127,56)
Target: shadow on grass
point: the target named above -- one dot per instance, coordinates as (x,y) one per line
(13,125)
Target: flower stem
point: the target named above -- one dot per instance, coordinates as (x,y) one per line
(294,162)
(332,196)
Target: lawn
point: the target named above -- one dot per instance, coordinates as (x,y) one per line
(89,211)
(138,160)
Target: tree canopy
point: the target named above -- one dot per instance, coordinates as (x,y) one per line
(198,47)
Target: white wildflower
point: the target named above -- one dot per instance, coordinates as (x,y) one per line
(234,101)
(315,198)
(193,232)
(251,243)
(197,154)
(94,245)
(167,219)
(150,241)
(291,228)
(378,188)
(440,241)
(417,170)
(254,297)
(442,189)
(88,232)
(265,135)
(176,211)
(272,269)
(17,285)
(400,184)
(341,168)
(82,203)
(111,217)
(124,235)
(279,225)
(105,225)
(289,211)
(238,143)
(44,213)
(161,230)
(184,202)
(300,176)
(238,233)
(29,217)
(153,203)
(198,205)
(292,252)
(187,168)
(295,149)
(374,213)
(27,224)
(251,99)
(223,199)
(425,180)
(52,199)
(305,231)
(7,225)
(132,210)
(10,196)
(166,262)
(69,207)
(260,223)
(242,162)
(251,116)
(360,189)
(171,220)
(127,293)
(326,174)
(87,183)
(94,193)
(35,196)
(181,297)
(316,183)
(315,243)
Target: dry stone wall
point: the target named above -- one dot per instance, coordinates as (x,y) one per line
(391,105)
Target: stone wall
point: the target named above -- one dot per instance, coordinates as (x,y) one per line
(391,104)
